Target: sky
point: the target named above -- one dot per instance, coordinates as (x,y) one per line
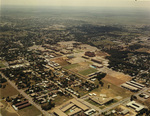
(101,3)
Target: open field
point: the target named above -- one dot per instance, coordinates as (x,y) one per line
(61,61)
(121,77)
(80,91)
(71,66)
(81,68)
(113,80)
(7,109)
(61,99)
(113,91)
(6,113)
(88,71)
(7,91)
(29,111)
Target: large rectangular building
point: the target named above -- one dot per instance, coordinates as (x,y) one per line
(129,87)
(101,101)
(72,107)
(136,106)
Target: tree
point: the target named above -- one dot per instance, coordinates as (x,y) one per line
(100,76)
(101,83)
(133,98)
(108,86)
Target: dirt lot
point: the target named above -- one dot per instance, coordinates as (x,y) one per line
(61,61)
(113,80)
(113,91)
(118,76)
(7,91)
(29,111)
(6,109)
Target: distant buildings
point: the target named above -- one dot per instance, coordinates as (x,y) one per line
(96,60)
(90,54)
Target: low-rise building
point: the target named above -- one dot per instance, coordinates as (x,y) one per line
(100,100)
(136,106)
(90,54)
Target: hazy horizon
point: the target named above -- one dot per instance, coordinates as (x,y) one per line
(79,3)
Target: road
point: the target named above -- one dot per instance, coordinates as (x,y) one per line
(26,96)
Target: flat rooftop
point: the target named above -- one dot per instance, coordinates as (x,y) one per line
(136,106)
(59,112)
(80,105)
(100,100)
(67,107)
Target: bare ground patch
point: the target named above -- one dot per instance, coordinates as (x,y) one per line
(61,61)
(7,91)
(118,75)
(113,80)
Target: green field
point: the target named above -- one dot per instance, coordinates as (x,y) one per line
(71,66)
(1,64)
(88,71)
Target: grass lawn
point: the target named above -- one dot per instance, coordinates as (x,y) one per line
(88,71)
(71,66)
(29,111)
(7,91)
